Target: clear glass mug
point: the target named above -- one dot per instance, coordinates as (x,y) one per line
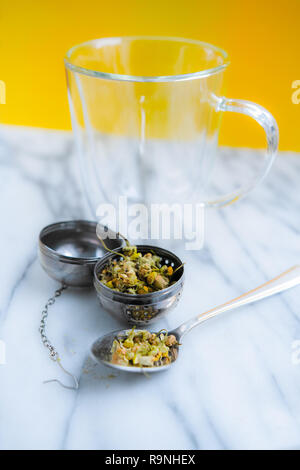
(146,116)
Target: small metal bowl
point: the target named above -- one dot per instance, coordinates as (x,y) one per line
(140,309)
(68,251)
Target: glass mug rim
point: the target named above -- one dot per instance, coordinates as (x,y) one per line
(139,78)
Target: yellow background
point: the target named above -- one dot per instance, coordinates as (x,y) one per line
(261,37)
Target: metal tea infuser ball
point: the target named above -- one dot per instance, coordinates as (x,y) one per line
(71,253)
(68,252)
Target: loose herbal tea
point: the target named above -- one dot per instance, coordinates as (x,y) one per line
(135,273)
(144,349)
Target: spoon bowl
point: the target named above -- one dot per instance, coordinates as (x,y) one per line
(101,352)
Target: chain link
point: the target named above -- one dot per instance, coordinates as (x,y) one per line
(46,342)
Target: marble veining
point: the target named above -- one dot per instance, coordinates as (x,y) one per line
(234,386)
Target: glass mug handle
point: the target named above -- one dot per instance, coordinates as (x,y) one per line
(268,123)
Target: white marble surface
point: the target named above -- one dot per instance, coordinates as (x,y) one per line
(234,386)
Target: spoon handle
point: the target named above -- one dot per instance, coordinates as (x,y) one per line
(285,280)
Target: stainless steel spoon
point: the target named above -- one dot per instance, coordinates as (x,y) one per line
(101,348)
